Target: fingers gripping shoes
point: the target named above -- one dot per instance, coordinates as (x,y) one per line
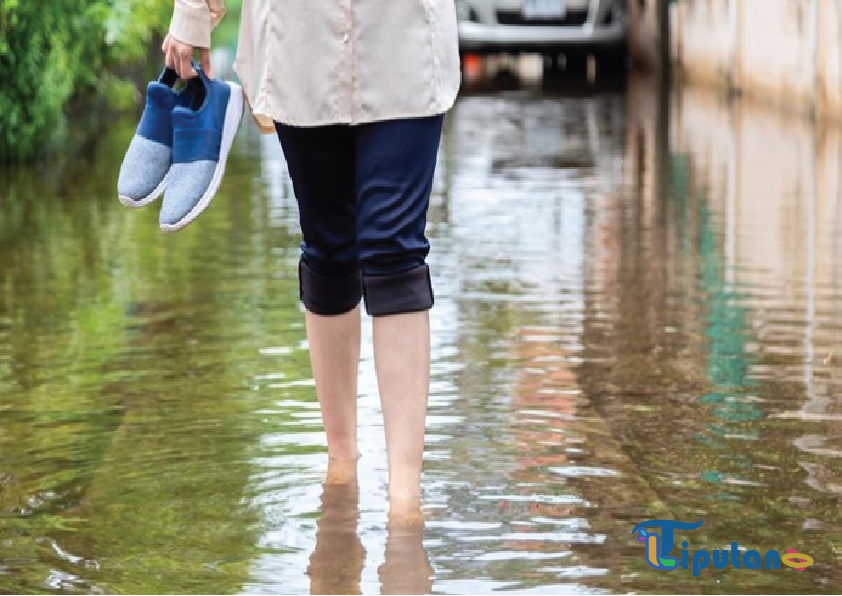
(202,137)
(143,173)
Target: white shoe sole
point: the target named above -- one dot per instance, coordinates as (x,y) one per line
(233,116)
(159,190)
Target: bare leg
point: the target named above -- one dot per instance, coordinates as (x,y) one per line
(402,361)
(334,357)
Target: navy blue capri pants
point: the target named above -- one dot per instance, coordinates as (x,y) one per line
(363,193)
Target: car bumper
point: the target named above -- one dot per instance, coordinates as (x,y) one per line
(483,37)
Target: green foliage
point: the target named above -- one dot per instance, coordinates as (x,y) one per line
(52,51)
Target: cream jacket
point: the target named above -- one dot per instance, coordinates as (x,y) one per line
(320,62)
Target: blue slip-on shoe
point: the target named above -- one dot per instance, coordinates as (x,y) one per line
(143,173)
(202,137)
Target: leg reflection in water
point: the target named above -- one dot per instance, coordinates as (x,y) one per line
(337,562)
(406,568)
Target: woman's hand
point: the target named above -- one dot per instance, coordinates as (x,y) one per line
(179,56)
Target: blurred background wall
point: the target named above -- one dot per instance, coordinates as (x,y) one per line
(785,52)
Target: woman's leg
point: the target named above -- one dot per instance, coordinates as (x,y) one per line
(402,361)
(334,357)
(395,167)
(321,165)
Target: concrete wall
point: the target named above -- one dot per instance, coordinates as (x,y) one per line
(784,52)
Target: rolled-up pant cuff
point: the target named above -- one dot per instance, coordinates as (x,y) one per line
(409,291)
(328,295)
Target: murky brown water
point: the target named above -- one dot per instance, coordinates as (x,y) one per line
(639,302)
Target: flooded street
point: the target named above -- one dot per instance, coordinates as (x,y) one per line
(638,313)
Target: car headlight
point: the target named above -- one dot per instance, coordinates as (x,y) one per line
(464,12)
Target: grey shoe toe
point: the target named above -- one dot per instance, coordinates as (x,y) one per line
(143,170)
(186,186)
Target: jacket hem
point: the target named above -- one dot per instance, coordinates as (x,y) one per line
(261,115)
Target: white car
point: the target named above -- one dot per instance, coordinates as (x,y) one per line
(572,28)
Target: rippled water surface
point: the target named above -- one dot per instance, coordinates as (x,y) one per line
(639,306)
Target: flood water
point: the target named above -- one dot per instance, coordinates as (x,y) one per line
(639,306)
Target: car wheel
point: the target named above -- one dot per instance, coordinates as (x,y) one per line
(612,61)
(552,62)
(575,62)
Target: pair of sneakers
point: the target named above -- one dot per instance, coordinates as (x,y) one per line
(180,146)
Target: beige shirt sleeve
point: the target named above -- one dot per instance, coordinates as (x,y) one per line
(193,21)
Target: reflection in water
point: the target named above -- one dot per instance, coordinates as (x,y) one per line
(638,311)
(337,561)
(406,568)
